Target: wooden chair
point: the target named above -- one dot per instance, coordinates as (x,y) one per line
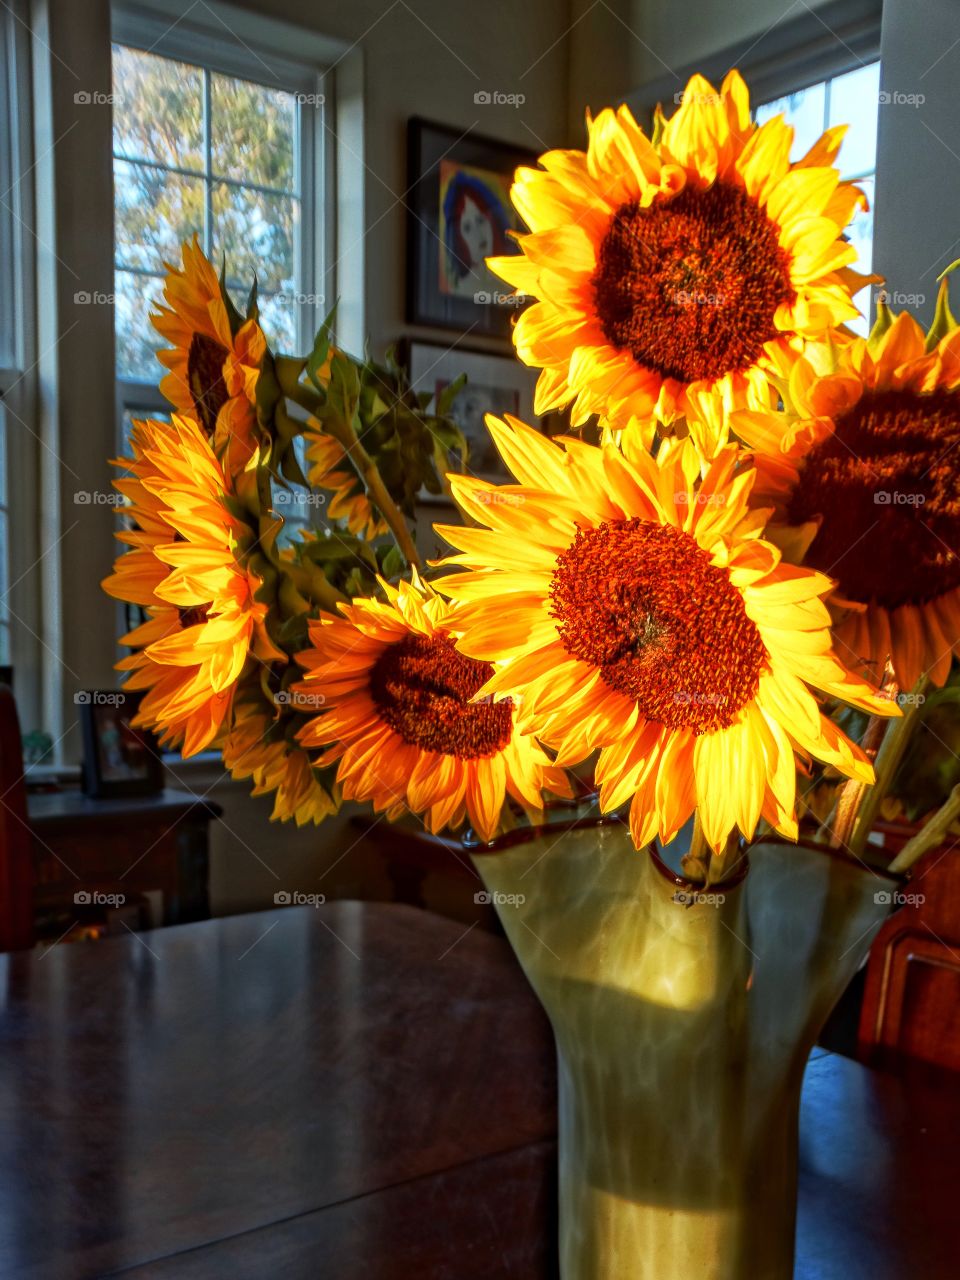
(911,1001)
(16,841)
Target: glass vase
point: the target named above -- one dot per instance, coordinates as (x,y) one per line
(683,1021)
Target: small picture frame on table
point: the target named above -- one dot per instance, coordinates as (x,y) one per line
(495,384)
(458,214)
(118,760)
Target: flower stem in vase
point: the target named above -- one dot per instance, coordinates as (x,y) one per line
(930,836)
(889,757)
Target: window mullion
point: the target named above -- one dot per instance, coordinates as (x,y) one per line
(208,162)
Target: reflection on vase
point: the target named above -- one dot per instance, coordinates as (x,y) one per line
(683,1024)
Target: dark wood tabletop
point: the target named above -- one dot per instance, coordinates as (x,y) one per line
(363,1091)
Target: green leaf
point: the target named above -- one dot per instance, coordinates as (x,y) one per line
(449,394)
(235,319)
(392,564)
(943,319)
(321,349)
(883,321)
(253,307)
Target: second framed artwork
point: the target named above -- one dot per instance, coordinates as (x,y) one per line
(495,384)
(459,213)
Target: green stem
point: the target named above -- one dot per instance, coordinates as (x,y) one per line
(304,397)
(930,836)
(366,469)
(696,861)
(889,757)
(377,491)
(315,587)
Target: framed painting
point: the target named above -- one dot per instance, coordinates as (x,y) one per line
(118,760)
(459,213)
(495,384)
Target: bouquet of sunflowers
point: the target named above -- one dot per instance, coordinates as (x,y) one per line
(751,527)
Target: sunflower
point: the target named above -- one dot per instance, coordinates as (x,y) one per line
(637,610)
(330,469)
(863,469)
(278,767)
(400,720)
(669,274)
(213,373)
(185,569)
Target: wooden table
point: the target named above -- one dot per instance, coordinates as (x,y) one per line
(363,1092)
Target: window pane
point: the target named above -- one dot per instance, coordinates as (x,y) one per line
(252,133)
(278,317)
(854,101)
(137,413)
(158,109)
(860,234)
(155,212)
(7,185)
(137,340)
(804,110)
(256,232)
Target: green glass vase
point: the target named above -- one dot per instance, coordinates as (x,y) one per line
(683,1022)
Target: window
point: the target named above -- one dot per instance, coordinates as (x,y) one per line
(236,159)
(853,99)
(17,363)
(200,152)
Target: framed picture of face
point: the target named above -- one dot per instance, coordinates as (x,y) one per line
(458,214)
(495,384)
(118,760)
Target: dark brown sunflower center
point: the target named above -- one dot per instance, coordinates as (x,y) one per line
(887,487)
(423,688)
(690,285)
(205,375)
(194,615)
(643,603)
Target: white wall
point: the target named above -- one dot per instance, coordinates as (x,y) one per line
(917,227)
(674,35)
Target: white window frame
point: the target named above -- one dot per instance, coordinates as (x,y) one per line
(858,176)
(208,45)
(18,382)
